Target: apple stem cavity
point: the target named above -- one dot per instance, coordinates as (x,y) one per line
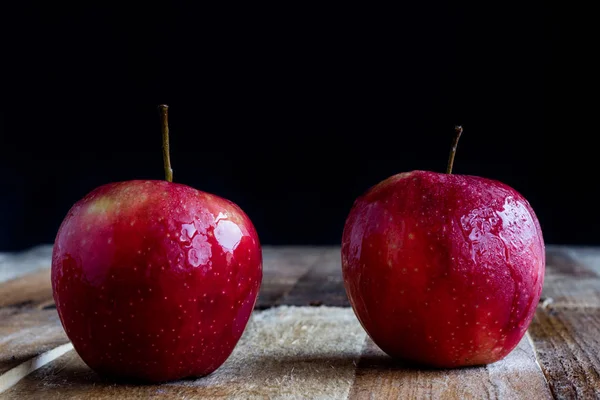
(164,120)
(458,129)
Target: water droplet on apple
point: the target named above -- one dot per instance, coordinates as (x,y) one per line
(187,232)
(228,234)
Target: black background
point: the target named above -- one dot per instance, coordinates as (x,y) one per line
(291,111)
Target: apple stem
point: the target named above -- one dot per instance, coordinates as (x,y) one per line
(164,120)
(458,129)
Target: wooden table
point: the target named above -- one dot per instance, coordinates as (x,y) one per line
(315,346)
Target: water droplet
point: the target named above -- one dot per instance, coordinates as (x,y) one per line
(228,234)
(187,232)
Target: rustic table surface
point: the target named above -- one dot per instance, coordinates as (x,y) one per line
(303,341)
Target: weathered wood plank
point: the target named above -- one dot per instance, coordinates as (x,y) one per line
(15,374)
(305,352)
(322,284)
(566,327)
(282,267)
(24,335)
(586,255)
(566,330)
(286,352)
(14,265)
(568,348)
(518,376)
(29,291)
(569,282)
(29,323)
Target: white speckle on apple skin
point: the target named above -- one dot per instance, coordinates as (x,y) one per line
(153,244)
(463,266)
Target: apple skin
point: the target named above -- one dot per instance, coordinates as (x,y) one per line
(443,270)
(155,281)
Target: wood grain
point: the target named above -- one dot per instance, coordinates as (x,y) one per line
(30,329)
(30,291)
(282,267)
(30,324)
(566,327)
(518,376)
(286,352)
(565,331)
(569,281)
(322,284)
(24,335)
(13,376)
(589,256)
(568,348)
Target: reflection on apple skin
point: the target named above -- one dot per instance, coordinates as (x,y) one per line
(155,280)
(443,270)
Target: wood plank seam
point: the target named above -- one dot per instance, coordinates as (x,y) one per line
(537,361)
(564,367)
(575,346)
(563,336)
(322,256)
(275,291)
(565,361)
(13,376)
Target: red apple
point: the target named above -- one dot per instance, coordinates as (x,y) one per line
(443,270)
(155,280)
